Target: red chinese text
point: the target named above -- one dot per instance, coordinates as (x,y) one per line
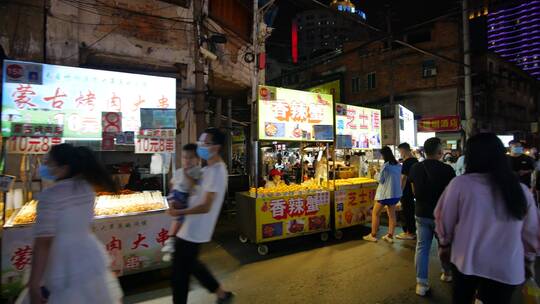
(22,96)
(22,257)
(56,100)
(139,242)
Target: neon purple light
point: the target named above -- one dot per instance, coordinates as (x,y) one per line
(517,41)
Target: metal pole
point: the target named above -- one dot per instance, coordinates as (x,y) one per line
(200,107)
(469,128)
(254,172)
(229,132)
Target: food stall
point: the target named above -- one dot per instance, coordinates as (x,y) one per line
(289,123)
(129,119)
(358,134)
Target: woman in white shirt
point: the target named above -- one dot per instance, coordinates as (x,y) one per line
(68,260)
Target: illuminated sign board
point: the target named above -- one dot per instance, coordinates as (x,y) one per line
(75,97)
(358,127)
(292,115)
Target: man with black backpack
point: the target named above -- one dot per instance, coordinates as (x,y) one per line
(429,179)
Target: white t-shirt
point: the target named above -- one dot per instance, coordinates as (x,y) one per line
(198,228)
(179,181)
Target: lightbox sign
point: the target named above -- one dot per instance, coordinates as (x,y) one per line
(75,97)
(358,127)
(291,115)
(332,88)
(405,125)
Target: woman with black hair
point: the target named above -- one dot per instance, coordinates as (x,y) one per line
(69,265)
(487,225)
(388,195)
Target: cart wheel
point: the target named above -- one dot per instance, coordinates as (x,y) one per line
(262,249)
(338,234)
(324,236)
(243,239)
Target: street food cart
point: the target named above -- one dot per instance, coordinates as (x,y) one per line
(289,123)
(358,134)
(129,119)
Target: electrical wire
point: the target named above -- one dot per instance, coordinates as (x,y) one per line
(119,24)
(93,43)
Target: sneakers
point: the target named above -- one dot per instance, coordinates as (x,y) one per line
(227,299)
(370,238)
(406,236)
(169,246)
(387,238)
(446,277)
(422,289)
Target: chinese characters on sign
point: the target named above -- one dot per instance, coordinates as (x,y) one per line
(286,216)
(155,141)
(286,114)
(28,129)
(134,244)
(31,145)
(76,97)
(439,124)
(360,126)
(352,206)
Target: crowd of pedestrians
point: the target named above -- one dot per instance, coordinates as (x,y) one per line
(482,212)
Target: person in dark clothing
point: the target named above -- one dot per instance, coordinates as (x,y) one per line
(521,164)
(407,200)
(429,179)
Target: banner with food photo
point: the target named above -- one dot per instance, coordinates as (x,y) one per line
(358,127)
(292,115)
(288,216)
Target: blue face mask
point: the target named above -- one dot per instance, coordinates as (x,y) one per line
(204,153)
(45,173)
(517,150)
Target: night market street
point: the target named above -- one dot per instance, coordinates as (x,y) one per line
(305,270)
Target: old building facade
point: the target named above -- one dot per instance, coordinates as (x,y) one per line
(140,36)
(428,80)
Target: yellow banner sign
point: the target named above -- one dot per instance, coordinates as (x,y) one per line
(353,206)
(290,216)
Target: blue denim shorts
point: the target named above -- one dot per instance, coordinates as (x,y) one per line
(390,201)
(182,198)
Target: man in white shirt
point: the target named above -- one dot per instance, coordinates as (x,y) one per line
(202,213)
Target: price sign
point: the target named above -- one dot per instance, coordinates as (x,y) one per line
(111,122)
(31,145)
(107,141)
(28,129)
(155,141)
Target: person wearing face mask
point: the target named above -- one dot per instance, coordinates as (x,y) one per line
(69,264)
(521,164)
(201,217)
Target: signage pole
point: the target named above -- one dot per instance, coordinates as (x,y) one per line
(467,71)
(254,172)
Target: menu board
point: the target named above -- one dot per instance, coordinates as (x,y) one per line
(291,115)
(358,127)
(75,98)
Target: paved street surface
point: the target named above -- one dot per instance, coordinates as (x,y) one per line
(304,270)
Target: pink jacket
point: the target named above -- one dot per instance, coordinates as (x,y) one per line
(486,242)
